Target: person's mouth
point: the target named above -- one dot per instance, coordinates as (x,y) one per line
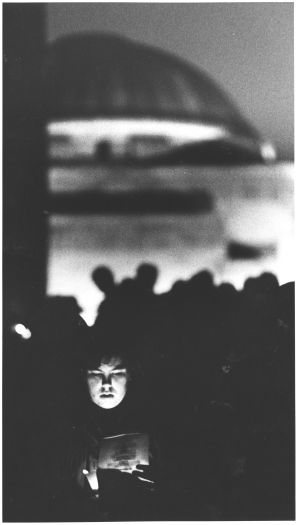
(106,394)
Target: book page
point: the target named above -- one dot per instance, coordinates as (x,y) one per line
(124,452)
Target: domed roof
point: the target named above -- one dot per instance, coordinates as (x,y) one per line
(93,75)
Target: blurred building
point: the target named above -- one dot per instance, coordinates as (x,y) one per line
(149,160)
(113,99)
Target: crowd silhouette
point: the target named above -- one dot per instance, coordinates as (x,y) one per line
(215,374)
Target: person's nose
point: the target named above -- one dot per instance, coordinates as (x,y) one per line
(107,381)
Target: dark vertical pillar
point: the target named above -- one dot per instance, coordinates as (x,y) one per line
(24,235)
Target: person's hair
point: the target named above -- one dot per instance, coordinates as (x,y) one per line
(105,347)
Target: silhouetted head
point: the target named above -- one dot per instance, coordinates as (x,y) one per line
(178,286)
(226,291)
(268,282)
(202,281)
(103,277)
(146,276)
(128,286)
(250,285)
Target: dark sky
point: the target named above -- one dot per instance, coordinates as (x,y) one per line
(247,47)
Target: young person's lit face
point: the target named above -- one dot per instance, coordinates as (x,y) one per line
(107,383)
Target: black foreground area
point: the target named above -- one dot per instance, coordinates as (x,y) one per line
(212,385)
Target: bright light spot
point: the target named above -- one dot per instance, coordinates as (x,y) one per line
(92,479)
(268,151)
(121,129)
(22,331)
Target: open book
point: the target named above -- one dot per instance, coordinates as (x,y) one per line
(123,452)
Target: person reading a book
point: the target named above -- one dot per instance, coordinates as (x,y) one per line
(116,402)
(108,452)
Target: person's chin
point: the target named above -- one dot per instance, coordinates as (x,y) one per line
(108,402)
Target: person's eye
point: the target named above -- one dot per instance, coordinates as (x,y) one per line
(94,373)
(120,373)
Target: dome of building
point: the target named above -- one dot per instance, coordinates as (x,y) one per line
(102,76)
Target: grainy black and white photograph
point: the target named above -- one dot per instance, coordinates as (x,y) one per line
(148,262)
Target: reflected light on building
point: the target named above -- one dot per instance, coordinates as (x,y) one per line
(268,151)
(78,138)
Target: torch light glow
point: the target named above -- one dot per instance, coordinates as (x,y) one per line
(92,479)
